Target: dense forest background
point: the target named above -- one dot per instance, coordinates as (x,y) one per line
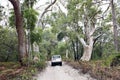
(79,30)
(64,31)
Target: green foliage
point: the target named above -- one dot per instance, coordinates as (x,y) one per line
(36,35)
(27,74)
(61,35)
(10,65)
(115,61)
(40,62)
(62,47)
(48,43)
(8,45)
(12,19)
(29,4)
(97,52)
(108,60)
(31,16)
(40,65)
(58,21)
(43,47)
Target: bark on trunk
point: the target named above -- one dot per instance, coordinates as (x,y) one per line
(87,53)
(77,49)
(20,31)
(67,53)
(88,45)
(87,49)
(114,26)
(74,50)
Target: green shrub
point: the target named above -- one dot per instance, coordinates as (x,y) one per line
(27,74)
(40,65)
(109,59)
(9,64)
(115,61)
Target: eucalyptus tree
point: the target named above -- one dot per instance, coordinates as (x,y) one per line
(83,17)
(29,19)
(118,24)
(60,26)
(50,42)
(36,37)
(113,17)
(115,25)
(84,23)
(22,51)
(47,9)
(29,14)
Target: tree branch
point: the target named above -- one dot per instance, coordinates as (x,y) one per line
(97,38)
(106,9)
(46,9)
(82,41)
(92,31)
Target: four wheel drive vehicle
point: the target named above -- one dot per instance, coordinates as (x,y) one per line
(56,60)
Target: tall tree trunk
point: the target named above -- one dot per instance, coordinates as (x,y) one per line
(88,45)
(114,26)
(87,49)
(20,31)
(78,49)
(75,56)
(66,53)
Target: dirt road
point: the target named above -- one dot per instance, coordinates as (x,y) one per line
(64,72)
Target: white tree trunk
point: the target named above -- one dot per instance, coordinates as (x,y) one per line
(87,53)
(115,31)
(67,53)
(87,48)
(35,47)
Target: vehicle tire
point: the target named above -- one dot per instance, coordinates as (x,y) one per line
(60,63)
(52,64)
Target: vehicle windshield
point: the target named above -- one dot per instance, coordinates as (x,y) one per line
(56,56)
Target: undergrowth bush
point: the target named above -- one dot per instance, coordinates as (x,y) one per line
(108,60)
(27,74)
(14,71)
(40,64)
(97,70)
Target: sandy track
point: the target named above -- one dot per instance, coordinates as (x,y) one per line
(64,72)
